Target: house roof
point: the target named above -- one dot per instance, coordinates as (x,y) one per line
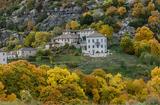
(27,49)
(65,36)
(87,30)
(1,50)
(95,34)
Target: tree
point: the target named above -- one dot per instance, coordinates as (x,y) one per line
(122,10)
(137,89)
(107,2)
(29,40)
(30,25)
(86,20)
(127,45)
(154,83)
(158,1)
(138,9)
(155,47)
(111,10)
(60,76)
(72,25)
(106,30)
(41,38)
(121,1)
(143,33)
(151,6)
(141,46)
(20,75)
(57,31)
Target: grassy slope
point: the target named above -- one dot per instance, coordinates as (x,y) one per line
(127,65)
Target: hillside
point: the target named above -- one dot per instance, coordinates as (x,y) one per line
(79,52)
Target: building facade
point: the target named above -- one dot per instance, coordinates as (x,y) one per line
(26,52)
(93,44)
(68,37)
(3,57)
(12,55)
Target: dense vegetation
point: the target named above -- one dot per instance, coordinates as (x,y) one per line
(23,81)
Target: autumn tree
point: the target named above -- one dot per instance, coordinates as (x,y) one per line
(41,38)
(155,47)
(106,30)
(154,83)
(72,25)
(158,1)
(21,76)
(30,25)
(143,33)
(122,10)
(121,1)
(111,10)
(138,9)
(151,6)
(30,39)
(127,45)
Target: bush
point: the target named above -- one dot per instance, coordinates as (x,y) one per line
(138,23)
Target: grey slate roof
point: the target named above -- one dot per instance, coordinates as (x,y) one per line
(65,36)
(95,34)
(27,49)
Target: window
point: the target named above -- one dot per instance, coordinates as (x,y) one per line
(93,46)
(97,40)
(93,40)
(101,40)
(88,40)
(3,53)
(97,46)
(85,47)
(88,46)
(101,46)
(4,59)
(101,51)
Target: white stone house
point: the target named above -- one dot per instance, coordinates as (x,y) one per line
(26,52)
(93,44)
(68,37)
(3,57)
(12,55)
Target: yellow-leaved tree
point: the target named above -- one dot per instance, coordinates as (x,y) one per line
(155,47)
(72,25)
(154,83)
(122,10)
(138,9)
(151,6)
(143,33)
(106,30)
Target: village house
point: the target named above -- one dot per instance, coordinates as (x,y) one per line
(26,52)
(3,57)
(68,37)
(12,55)
(93,44)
